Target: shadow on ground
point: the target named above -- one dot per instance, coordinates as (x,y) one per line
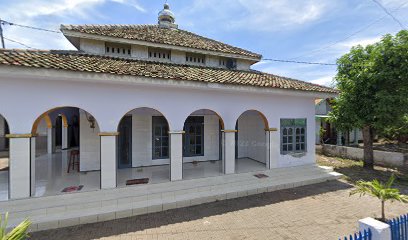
(155,220)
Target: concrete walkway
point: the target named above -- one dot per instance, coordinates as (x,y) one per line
(319,211)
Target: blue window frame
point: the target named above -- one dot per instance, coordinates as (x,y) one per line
(160,137)
(293,135)
(194,136)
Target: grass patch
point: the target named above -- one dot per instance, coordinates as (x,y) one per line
(353,171)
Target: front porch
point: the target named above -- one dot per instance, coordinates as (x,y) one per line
(96,206)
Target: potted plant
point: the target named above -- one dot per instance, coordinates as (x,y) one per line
(384,192)
(17,233)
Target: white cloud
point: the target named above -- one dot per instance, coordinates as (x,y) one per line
(38,12)
(256,15)
(325,81)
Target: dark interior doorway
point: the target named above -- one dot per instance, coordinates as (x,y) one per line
(125,143)
(58,132)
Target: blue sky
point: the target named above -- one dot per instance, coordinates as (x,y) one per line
(303,30)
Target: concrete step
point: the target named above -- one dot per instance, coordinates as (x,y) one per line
(83,208)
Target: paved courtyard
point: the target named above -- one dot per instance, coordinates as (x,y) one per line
(320,211)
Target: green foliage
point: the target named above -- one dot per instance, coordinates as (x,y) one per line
(18,233)
(373,84)
(384,192)
(373,81)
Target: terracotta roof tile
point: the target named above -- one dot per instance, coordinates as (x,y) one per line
(156,34)
(78,61)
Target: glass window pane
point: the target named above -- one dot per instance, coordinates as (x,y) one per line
(297,131)
(290,139)
(198,149)
(303,131)
(198,139)
(290,131)
(285,140)
(285,147)
(302,138)
(165,141)
(297,147)
(157,131)
(192,141)
(165,152)
(290,147)
(285,131)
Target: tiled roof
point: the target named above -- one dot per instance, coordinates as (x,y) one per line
(78,61)
(156,34)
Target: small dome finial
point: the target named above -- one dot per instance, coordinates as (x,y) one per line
(166,17)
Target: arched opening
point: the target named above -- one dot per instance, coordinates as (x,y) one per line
(67,152)
(202,150)
(143,148)
(251,142)
(4,159)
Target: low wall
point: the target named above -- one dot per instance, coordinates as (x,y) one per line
(380,157)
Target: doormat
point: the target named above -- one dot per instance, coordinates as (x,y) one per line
(73,189)
(4,169)
(261,175)
(137,181)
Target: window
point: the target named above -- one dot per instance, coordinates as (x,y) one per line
(160,137)
(229,63)
(293,135)
(194,136)
(197,59)
(120,50)
(159,54)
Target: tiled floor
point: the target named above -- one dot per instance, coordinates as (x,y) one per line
(4,178)
(159,174)
(51,175)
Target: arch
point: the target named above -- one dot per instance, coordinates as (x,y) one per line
(48,121)
(64,120)
(143,143)
(207,109)
(144,107)
(264,119)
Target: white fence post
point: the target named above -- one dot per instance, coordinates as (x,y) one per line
(379,230)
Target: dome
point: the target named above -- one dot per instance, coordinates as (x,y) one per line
(166,17)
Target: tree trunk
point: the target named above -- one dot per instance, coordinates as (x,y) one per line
(383,210)
(368,147)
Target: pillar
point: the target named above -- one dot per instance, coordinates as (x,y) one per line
(229,151)
(49,140)
(108,159)
(32,152)
(272,148)
(176,155)
(20,165)
(64,138)
(339,135)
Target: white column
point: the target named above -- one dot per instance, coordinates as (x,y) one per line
(108,160)
(274,147)
(49,140)
(229,151)
(268,149)
(32,152)
(379,230)
(64,137)
(176,155)
(20,161)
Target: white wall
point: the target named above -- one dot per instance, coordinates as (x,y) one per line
(243,64)
(178,57)
(108,98)
(251,137)
(89,144)
(142,139)
(139,52)
(92,46)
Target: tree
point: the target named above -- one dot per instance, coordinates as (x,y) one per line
(384,192)
(373,84)
(17,233)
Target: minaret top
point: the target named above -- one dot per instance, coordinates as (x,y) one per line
(167,18)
